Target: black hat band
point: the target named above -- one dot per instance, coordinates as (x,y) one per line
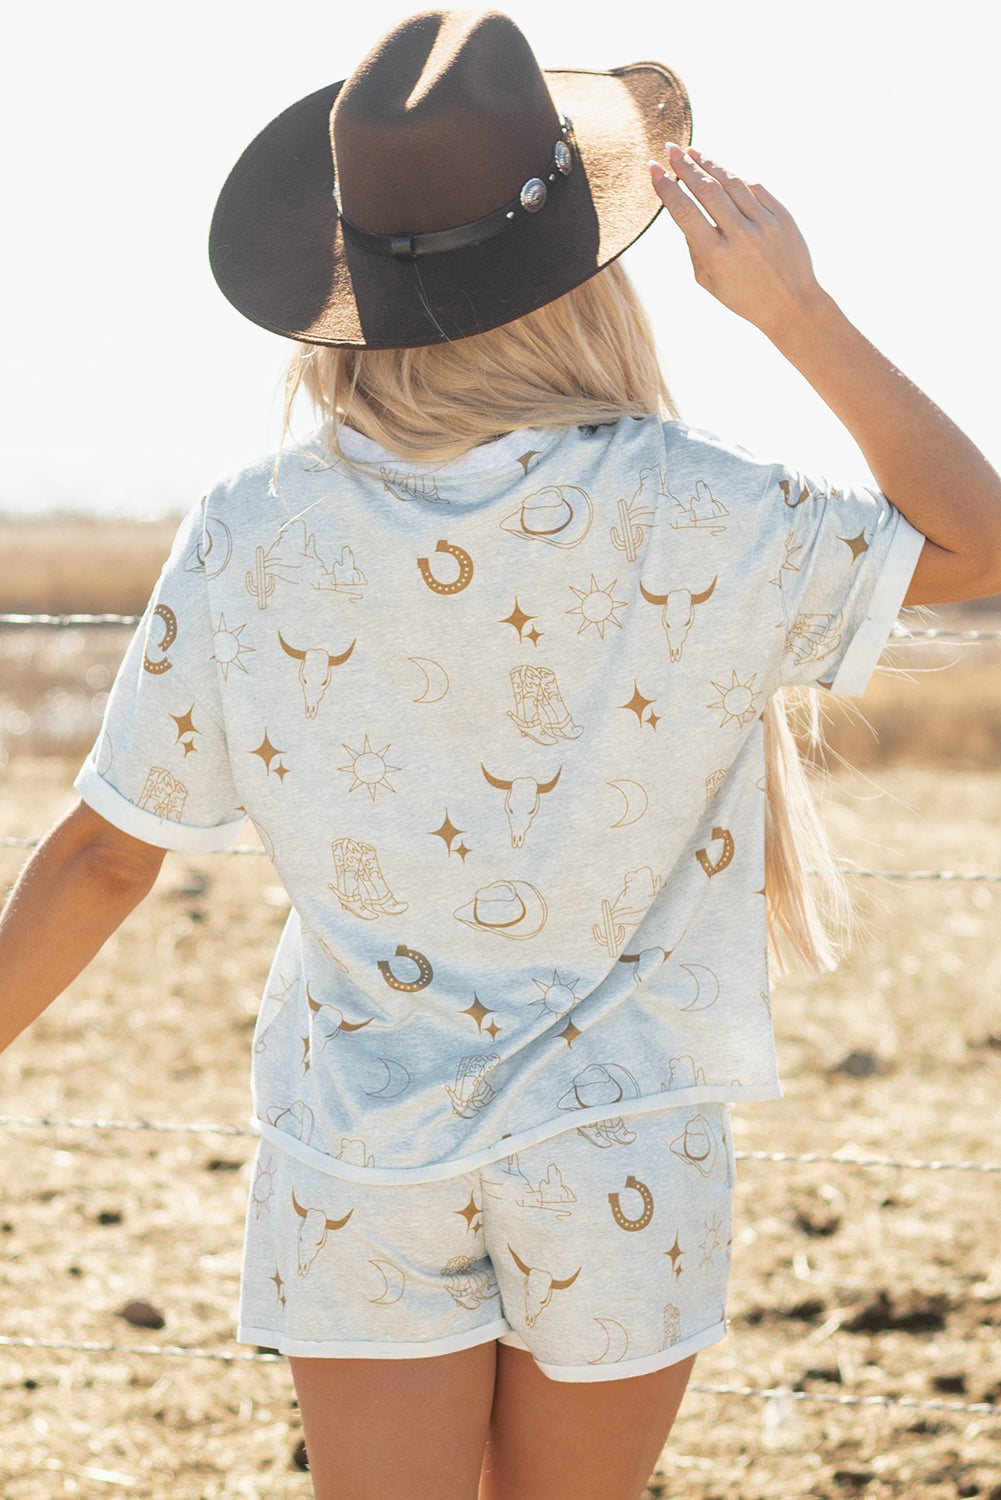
(530,200)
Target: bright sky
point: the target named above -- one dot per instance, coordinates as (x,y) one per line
(127,382)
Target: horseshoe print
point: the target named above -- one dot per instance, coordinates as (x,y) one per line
(424,977)
(167,615)
(464,561)
(702,855)
(645,1216)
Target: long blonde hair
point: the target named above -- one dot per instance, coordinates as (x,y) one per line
(586,359)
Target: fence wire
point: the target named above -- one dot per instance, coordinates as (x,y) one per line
(270,1357)
(900,633)
(810,1158)
(990,877)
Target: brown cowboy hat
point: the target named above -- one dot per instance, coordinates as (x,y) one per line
(446,187)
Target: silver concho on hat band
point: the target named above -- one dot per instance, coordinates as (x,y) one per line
(534,195)
(563,158)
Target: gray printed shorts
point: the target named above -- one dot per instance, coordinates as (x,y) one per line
(604,1251)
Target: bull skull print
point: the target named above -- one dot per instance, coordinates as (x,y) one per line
(315,666)
(522,800)
(678,614)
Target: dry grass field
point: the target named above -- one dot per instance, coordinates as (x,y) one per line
(848,1282)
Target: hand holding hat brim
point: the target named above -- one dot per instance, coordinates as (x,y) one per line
(746,248)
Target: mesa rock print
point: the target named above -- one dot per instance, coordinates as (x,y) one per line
(293,557)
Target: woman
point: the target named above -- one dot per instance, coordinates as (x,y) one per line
(492,661)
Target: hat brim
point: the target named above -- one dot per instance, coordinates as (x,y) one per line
(278,253)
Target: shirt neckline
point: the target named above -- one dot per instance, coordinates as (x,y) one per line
(486,458)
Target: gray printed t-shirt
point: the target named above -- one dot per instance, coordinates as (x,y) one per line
(498,727)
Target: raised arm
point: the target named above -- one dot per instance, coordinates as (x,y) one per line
(750,255)
(76,889)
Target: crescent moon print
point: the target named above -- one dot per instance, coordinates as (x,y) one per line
(397,1080)
(218,549)
(436,683)
(394,1283)
(706,987)
(459,583)
(616,1342)
(636,800)
(166,614)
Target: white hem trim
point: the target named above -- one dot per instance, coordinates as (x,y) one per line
(519,1141)
(582,1374)
(267,1338)
(151,829)
(860,660)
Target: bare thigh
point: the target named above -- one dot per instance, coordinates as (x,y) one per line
(554,1440)
(414,1427)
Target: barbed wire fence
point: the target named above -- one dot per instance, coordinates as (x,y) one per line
(777,1394)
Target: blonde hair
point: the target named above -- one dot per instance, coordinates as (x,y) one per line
(588,358)
(806,895)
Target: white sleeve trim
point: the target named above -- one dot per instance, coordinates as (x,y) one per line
(163,832)
(859,661)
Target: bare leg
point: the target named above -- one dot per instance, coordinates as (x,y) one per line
(396,1426)
(552,1440)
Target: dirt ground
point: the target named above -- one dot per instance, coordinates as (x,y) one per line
(847,1281)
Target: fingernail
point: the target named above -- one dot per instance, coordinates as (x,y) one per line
(673,149)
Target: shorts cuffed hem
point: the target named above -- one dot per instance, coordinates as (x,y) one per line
(627,1368)
(268,1338)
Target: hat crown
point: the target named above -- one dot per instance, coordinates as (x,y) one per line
(442,123)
